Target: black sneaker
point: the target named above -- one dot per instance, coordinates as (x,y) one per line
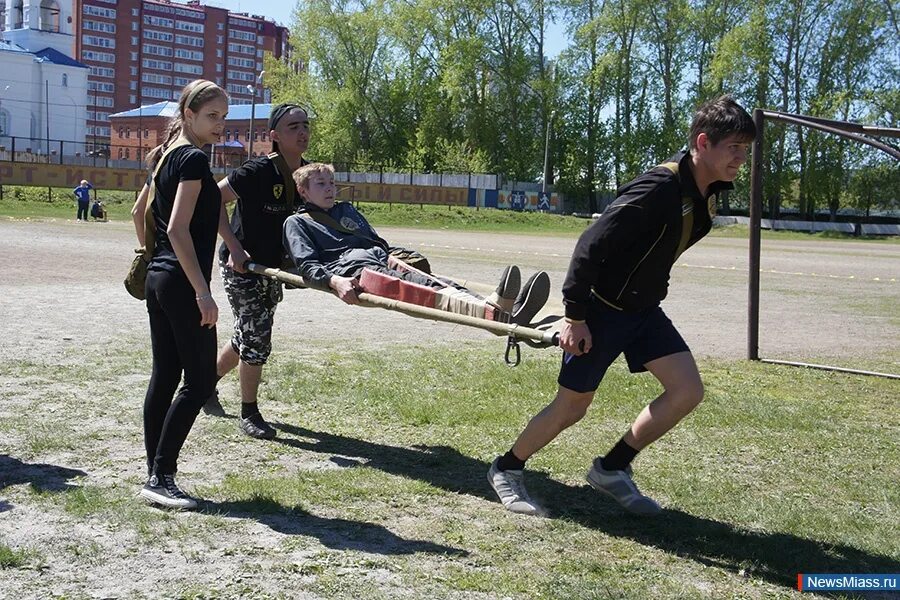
(531,299)
(213,407)
(505,295)
(256,427)
(162,490)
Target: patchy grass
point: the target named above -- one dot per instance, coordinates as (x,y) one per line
(375,486)
(31,203)
(22,202)
(11,558)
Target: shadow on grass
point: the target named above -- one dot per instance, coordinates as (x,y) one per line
(337,534)
(46,478)
(775,557)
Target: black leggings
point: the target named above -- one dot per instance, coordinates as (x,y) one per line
(82,210)
(179,344)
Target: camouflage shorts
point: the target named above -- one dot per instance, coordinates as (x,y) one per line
(253,300)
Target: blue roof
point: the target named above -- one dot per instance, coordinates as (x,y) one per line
(229,144)
(236,112)
(241,112)
(160,109)
(58,58)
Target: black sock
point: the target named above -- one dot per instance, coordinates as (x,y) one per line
(510,462)
(619,457)
(249,409)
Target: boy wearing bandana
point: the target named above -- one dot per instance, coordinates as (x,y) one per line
(264,200)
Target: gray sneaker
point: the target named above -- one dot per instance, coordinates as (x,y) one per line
(619,486)
(510,488)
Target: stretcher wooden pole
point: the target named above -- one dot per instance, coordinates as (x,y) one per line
(550,338)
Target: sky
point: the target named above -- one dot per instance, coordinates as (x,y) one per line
(281,10)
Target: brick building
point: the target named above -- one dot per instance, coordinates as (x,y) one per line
(135,132)
(145,51)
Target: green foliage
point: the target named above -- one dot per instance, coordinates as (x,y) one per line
(469,219)
(457,85)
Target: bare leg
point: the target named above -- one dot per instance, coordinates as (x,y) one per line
(227,360)
(683,391)
(566,409)
(250,377)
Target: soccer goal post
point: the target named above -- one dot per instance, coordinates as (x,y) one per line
(864,134)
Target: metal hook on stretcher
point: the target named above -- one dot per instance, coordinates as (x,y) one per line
(512,343)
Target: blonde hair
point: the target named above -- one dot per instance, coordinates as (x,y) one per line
(193,96)
(304,174)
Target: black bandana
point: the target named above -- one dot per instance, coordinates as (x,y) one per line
(279,110)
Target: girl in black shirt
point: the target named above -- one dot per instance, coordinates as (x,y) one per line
(186,209)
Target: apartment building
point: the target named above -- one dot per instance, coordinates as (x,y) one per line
(145,51)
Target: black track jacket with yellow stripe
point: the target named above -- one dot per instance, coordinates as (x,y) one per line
(624,258)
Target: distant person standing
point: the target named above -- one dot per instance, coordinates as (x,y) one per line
(83,195)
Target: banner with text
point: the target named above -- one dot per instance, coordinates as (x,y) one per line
(402,194)
(69,176)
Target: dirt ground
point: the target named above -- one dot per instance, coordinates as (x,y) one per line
(62,301)
(821,300)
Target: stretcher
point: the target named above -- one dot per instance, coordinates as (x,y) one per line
(413,300)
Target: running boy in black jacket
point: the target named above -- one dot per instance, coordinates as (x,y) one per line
(618,275)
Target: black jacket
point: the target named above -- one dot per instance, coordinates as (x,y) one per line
(625,257)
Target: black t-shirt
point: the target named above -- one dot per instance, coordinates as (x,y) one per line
(186,164)
(261,210)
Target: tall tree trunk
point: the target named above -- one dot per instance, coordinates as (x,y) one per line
(590,172)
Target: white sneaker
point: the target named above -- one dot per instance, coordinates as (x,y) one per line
(619,486)
(510,488)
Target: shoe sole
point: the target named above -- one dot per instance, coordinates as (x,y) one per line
(537,292)
(167,502)
(511,284)
(504,297)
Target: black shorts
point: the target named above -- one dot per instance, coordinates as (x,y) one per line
(643,336)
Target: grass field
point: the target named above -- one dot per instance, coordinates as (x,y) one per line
(31,203)
(375,487)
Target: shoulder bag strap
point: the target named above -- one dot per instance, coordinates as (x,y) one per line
(149,222)
(687,212)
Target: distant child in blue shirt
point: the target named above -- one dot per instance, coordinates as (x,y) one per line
(83,194)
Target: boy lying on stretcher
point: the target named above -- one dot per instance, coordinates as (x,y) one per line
(332,243)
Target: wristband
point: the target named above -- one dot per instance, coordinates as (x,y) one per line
(204,297)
